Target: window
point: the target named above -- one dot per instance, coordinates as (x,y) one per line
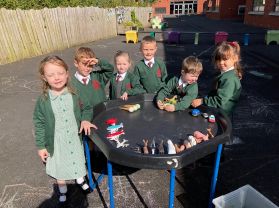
(213,5)
(258,5)
(241,10)
(160,10)
(209,5)
(217,3)
(276,9)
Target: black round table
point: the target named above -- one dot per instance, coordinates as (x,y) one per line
(153,124)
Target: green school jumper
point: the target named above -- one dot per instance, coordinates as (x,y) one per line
(129,84)
(44,120)
(226,94)
(152,79)
(94,91)
(185,95)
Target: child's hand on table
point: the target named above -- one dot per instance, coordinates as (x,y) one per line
(160,104)
(169,108)
(124,96)
(86,126)
(196,102)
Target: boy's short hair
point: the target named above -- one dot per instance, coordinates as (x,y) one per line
(84,52)
(191,65)
(148,39)
(122,53)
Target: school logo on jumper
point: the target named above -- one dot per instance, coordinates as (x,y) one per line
(96,84)
(128,86)
(159,74)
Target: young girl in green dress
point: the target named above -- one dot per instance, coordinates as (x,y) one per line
(59,124)
(225,96)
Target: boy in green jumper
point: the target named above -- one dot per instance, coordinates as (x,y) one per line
(91,84)
(151,71)
(124,83)
(185,87)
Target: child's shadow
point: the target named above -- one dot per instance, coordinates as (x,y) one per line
(99,165)
(75,198)
(130,41)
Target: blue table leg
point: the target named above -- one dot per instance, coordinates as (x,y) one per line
(172,188)
(87,153)
(215,175)
(110,184)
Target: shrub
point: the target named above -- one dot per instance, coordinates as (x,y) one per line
(134,21)
(39,4)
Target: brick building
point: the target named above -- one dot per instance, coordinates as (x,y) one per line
(225,9)
(177,7)
(261,13)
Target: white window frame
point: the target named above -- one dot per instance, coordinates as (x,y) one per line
(259,7)
(276,6)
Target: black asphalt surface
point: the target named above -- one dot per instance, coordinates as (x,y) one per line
(251,158)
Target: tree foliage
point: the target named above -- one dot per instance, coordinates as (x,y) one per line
(39,4)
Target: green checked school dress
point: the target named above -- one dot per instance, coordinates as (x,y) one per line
(67,161)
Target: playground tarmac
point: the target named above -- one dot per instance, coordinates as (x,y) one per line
(252,157)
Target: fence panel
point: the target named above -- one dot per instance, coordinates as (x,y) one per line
(27,33)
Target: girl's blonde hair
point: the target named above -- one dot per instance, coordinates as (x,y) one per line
(58,62)
(226,50)
(122,53)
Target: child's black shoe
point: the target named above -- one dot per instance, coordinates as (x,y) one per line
(63,203)
(84,187)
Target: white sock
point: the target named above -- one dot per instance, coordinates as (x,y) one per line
(62,190)
(80,181)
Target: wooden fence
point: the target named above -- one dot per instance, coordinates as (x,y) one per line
(123,14)
(28,33)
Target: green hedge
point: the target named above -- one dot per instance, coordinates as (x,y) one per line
(39,4)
